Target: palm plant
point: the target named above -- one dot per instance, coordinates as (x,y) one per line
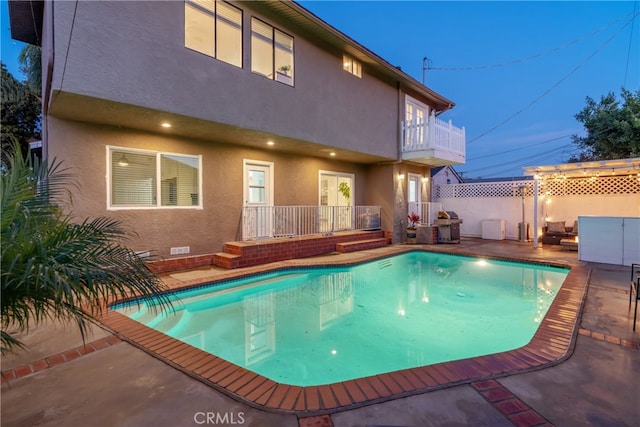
(53,268)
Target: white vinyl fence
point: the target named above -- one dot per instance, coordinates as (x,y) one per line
(559,199)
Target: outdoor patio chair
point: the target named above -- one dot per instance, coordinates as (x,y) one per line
(634,286)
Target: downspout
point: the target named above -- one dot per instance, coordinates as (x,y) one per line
(398,159)
(399,115)
(398,128)
(46,85)
(535,210)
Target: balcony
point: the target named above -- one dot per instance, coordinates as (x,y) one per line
(433,142)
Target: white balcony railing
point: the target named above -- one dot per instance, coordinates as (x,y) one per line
(432,134)
(268,222)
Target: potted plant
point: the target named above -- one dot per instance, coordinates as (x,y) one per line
(283,74)
(414,218)
(285,69)
(345,190)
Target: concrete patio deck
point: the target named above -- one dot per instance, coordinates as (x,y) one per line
(109,382)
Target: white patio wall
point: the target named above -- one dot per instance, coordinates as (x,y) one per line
(558,200)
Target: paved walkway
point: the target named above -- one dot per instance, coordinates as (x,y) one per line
(60,382)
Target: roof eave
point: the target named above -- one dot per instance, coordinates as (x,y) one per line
(25,20)
(337,38)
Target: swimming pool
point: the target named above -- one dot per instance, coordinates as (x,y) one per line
(312,326)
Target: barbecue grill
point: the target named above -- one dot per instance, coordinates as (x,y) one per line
(448,224)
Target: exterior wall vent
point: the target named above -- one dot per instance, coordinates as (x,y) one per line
(182,250)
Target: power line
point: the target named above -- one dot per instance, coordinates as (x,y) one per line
(626,70)
(545,93)
(530,57)
(522,161)
(522,148)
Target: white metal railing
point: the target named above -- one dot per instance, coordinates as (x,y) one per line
(424,134)
(267,222)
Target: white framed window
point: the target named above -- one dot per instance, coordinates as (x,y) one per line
(215,29)
(271,52)
(351,65)
(144,179)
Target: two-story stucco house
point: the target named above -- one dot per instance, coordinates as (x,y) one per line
(201,122)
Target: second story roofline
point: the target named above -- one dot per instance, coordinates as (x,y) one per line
(26,25)
(335,38)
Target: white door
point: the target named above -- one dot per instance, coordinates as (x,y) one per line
(416,114)
(414,195)
(336,193)
(258,200)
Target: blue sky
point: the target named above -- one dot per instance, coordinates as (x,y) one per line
(9,48)
(579,49)
(517,71)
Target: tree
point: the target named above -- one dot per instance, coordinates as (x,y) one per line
(613,130)
(30,64)
(19,115)
(53,268)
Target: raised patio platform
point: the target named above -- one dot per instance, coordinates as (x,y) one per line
(247,254)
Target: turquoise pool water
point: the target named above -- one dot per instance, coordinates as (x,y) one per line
(313,326)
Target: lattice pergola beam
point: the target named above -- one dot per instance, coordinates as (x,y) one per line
(597,168)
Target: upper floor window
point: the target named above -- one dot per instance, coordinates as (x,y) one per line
(149,179)
(215,29)
(351,65)
(271,52)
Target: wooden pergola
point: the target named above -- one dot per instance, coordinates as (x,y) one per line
(600,168)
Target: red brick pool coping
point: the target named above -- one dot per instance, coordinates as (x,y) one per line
(553,342)
(58,358)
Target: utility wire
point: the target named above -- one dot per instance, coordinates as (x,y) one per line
(626,70)
(545,93)
(544,156)
(522,160)
(510,171)
(519,163)
(535,56)
(528,160)
(522,148)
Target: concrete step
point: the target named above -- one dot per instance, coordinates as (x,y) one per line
(225,260)
(360,245)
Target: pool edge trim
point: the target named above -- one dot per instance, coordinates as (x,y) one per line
(553,343)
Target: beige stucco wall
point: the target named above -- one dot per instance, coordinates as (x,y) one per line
(83,148)
(133,53)
(110,56)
